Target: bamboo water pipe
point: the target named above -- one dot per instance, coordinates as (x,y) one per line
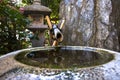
(55,43)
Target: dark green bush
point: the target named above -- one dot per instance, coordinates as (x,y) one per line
(12,23)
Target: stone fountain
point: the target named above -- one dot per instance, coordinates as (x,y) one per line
(18,68)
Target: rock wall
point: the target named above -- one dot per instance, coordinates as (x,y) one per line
(115,16)
(89,23)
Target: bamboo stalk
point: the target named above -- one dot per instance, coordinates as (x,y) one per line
(61,26)
(48,21)
(55,43)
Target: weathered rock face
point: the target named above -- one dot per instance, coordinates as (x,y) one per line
(89,23)
(115,16)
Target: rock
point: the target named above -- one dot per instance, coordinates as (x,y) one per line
(89,23)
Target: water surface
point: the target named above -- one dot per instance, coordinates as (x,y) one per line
(64,58)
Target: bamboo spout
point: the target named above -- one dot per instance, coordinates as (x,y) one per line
(58,36)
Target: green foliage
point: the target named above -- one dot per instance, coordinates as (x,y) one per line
(12,23)
(54,5)
(27,1)
(47,37)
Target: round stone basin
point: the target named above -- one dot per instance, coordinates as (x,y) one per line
(61,63)
(64,57)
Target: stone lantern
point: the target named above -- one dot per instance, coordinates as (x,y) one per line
(36,13)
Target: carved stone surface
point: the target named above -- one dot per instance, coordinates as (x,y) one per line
(89,23)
